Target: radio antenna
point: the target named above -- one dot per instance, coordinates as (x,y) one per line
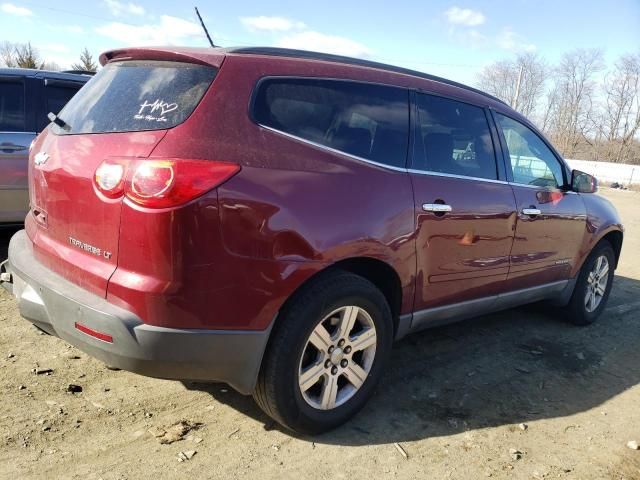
(204,28)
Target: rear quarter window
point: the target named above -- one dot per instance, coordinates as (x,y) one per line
(12,114)
(132,96)
(365,120)
(56,96)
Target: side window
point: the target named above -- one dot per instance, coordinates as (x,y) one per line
(453,137)
(12,115)
(55,98)
(532,162)
(365,120)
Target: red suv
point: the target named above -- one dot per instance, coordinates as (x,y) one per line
(275,219)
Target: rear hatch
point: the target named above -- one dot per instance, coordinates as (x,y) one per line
(118,116)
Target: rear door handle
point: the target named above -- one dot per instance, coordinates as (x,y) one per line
(531,211)
(436,207)
(12,147)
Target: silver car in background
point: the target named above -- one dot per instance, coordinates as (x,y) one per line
(26,97)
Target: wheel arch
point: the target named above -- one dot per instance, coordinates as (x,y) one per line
(377,271)
(614,237)
(613,234)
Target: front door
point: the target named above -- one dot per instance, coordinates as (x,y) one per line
(465,213)
(551,220)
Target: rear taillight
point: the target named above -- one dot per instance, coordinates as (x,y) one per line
(109,178)
(165,183)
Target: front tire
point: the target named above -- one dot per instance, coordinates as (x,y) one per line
(593,286)
(326,354)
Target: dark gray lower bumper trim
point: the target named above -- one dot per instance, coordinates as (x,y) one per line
(55,305)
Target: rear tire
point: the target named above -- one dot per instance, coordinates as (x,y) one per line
(593,286)
(326,353)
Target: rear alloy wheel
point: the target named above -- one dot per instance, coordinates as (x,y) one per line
(593,285)
(326,353)
(337,358)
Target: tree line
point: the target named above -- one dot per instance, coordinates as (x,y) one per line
(24,55)
(589,111)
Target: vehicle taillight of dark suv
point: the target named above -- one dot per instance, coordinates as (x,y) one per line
(275,219)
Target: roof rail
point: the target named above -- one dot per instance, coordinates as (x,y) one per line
(79,72)
(327,57)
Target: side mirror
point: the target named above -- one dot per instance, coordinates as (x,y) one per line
(583,182)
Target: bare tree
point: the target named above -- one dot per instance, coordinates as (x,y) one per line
(586,114)
(23,55)
(620,118)
(51,66)
(86,62)
(571,109)
(519,82)
(26,56)
(7,54)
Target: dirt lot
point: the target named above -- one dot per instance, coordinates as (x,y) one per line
(454,399)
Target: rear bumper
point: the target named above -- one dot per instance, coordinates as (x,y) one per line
(57,306)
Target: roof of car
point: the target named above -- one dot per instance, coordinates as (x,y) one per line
(327,57)
(215,55)
(34,73)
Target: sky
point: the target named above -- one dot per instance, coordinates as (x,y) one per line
(454,39)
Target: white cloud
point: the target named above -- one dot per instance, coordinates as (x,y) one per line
(271,24)
(320,42)
(73,29)
(12,9)
(55,47)
(170,31)
(510,40)
(464,16)
(119,8)
(474,39)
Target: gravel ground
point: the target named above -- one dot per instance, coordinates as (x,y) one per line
(517,394)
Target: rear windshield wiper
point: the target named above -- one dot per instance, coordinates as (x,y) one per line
(59,122)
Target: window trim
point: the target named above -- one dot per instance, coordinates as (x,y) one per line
(500,178)
(254,120)
(56,82)
(507,160)
(332,150)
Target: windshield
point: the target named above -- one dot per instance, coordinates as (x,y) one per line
(131,96)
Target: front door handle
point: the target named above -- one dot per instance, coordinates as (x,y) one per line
(531,211)
(436,207)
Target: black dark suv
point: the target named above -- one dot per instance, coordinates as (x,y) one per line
(26,97)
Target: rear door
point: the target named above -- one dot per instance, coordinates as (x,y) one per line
(551,220)
(16,134)
(465,210)
(121,114)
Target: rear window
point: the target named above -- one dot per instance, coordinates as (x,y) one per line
(361,119)
(132,96)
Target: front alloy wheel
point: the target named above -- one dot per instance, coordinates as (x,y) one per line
(593,285)
(597,281)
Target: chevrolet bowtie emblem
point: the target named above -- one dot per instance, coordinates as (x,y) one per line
(41,158)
